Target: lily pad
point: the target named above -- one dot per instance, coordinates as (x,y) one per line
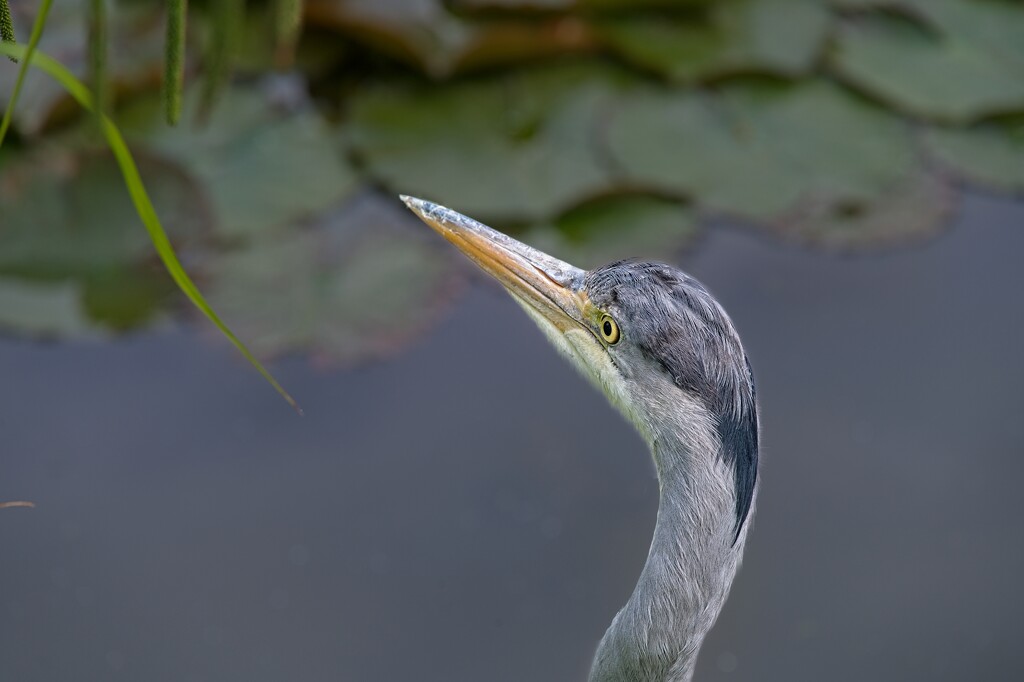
(755,150)
(964,62)
(616,227)
(517,147)
(66,213)
(359,282)
(780,37)
(67,218)
(425,34)
(262,165)
(135,55)
(49,310)
(128,298)
(910,211)
(991,154)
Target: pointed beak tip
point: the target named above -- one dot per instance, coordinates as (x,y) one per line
(524,271)
(416,205)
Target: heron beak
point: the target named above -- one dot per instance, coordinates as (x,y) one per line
(546,285)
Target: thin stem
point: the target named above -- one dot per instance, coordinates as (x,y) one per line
(287,24)
(98,54)
(220,56)
(174,62)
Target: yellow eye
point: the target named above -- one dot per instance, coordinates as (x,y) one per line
(609,330)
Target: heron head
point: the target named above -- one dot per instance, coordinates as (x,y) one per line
(648,335)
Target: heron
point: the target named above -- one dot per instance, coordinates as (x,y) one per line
(666,355)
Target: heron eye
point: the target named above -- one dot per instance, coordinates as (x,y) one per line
(609,330)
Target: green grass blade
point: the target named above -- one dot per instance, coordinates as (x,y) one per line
(174,60)
(33,41)
(140,198)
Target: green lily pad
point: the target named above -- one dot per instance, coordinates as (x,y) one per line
(123,299)
(517,147)
(991,154)
(960,61)
(755,150)
(135,55)
(616,227)
(262,166)
(359,282)
(66,212)
(49,310)
(994,24)
(67,218)
(912,210)
(425,34)
(780,37)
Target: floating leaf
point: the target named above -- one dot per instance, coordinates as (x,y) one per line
(615,227)
(965,61)
(66,216)
(756,149)
(358,282)
(66,213)
(262,166)
(993,26)
(425,34)
(142,202)
(780,37)
(44,310)
(135,55)
(522,146)
(909,211)
(991,153)
(121,299)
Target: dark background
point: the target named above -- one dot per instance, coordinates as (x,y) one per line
(471,510)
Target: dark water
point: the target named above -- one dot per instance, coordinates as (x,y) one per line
(472,510)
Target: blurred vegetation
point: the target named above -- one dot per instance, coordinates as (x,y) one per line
(595,129)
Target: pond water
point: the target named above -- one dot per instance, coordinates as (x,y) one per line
(472,510)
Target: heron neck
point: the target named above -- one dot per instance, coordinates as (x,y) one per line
(690,565)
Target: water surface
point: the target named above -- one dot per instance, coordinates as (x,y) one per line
(472,510)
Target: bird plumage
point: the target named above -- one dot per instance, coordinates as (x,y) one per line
(678,324)
(676,369)
(688,378)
